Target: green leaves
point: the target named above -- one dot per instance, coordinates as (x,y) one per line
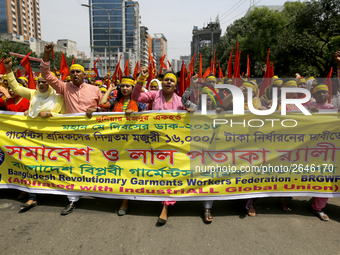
(302,36)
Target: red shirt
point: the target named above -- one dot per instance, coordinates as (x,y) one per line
(22,106)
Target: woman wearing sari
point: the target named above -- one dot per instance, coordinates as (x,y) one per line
(164,99)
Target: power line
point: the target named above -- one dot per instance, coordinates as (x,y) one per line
(239,14)
(84,8)
(230,10)
(234,17)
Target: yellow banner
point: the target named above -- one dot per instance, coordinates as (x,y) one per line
(172,155)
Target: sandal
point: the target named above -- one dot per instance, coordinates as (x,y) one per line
(284,205)
(251,212)
(28,205)
(207,217)
(321,215)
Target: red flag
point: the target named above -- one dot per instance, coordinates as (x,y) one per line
(220,73)
(115,74)
(94,67)
(191,65)
(126,68)
(73,61)
(207,72)
(120,73)
(182,80)
(248,67)
(169,64)
(162,65)
(200,67)
(18,73)
(267,76)
(25,63)
(237,76)
(63,67)
(328,82)
(52,53)
(230,67)
(108,82)
(214,64)
(136,71)
(188,79)
(2,67)
(152,60)
(150,77)
(235,62)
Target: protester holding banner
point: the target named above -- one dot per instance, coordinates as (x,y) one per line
(165,99)
(320,93)
(122,103)
(78,97)
(44,102)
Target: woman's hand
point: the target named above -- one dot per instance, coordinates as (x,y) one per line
(45,114)
(313,109)
(218,110)
(8,64)
(128,112)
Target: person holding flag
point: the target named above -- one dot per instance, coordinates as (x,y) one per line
(79,97)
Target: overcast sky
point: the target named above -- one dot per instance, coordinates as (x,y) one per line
(67,19)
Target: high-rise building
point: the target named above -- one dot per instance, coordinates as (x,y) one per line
(123,36)
(159,47)
(21,17)
(206,36)
(145,45)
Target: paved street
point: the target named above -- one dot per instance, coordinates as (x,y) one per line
(95,228)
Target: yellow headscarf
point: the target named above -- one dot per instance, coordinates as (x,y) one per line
(23,78)
(320,87)
(290,83)
(251,85)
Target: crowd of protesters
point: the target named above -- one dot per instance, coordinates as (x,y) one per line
(79,94)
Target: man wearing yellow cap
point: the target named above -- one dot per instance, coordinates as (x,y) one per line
(78,96)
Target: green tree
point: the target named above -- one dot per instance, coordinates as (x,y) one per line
(57,60)
(255,33)
(6,47)
(310,39)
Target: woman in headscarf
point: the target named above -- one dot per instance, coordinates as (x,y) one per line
(44,102)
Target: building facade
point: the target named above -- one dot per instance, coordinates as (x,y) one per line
(159,48)
(206,36)
(145,45)
(123,36)
(20,17)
